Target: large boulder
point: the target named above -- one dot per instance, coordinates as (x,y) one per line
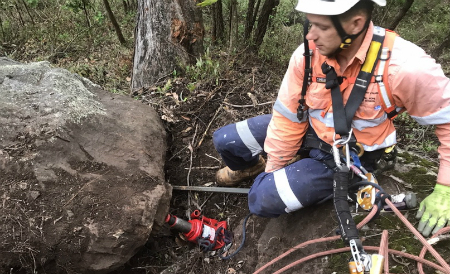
(81,172)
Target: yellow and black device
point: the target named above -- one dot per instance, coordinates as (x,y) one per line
(365,197)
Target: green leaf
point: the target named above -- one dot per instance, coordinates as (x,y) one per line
(206,3)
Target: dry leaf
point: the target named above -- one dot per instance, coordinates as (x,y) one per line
(253,98)
(187,130)
(167,118)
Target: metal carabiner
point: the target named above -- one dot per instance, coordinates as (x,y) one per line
(336,155)
(342,142)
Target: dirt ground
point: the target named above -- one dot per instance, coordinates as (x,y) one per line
(248,90)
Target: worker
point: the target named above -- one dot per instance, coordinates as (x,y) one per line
(340,34)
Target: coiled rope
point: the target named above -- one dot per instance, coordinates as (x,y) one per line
(382,250)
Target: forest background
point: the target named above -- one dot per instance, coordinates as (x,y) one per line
(97,39)
(237,43)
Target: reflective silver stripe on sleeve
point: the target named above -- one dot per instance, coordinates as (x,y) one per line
(359,124)
(284,190)
(437,118)
(384,95)
(247,138)
(389,141)
(327,120)
(283,110)
(383,57)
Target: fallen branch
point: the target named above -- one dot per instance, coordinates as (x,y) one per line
(204,167)
(248,106)
(191,149)
(209,125)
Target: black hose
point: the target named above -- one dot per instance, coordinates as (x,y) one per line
(242,242)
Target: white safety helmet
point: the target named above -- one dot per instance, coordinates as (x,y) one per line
(333,8)
(330,7)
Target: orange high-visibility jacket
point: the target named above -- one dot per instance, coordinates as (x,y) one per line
(417,83)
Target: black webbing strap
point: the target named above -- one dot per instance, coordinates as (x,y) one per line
(347,225)
(346,39)
(343,116)
(308,71)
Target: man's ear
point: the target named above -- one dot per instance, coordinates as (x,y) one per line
(356,24)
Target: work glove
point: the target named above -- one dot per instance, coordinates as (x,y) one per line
(434,210)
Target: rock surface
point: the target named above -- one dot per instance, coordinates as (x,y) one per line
(81,172)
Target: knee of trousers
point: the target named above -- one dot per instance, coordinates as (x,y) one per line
(240,144)
(301,184)
(224,137)
(232,150)
(263,198)
(244,137)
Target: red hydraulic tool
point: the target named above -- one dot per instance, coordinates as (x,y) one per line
(208,233)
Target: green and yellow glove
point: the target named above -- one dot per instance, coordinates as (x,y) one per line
(434,210)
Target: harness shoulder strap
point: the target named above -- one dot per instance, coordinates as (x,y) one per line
(381,77)
(307,73)
(343,126)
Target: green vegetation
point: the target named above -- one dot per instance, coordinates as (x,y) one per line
(72,34)
(205,69)
(77,35)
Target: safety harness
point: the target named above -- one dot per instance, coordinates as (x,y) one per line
(374,70)
(380,62)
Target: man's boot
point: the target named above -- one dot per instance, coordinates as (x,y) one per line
(228,177)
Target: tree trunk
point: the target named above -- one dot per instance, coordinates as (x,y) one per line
(249,19)
(169,33)
(233,34)
(28,11)
(20,14)
(218,25)
(1,27)
(401,14)
(125,6)
(263,21)
(114,22)
(255,14)
(86,14)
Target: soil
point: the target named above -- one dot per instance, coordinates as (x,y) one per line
(249,89)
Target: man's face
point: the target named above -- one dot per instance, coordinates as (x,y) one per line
(324,34)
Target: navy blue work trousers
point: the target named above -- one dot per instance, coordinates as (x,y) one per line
(303,183)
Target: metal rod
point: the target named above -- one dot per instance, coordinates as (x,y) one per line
(213,189)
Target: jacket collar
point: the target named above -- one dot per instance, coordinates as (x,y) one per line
(362,52)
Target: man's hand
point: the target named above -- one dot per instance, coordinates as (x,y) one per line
(434,210)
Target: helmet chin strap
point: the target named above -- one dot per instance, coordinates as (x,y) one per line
(346,39)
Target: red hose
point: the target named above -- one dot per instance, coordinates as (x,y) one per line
(419,236)
(347,249)
(302,245)
(424,250)
(383,249)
